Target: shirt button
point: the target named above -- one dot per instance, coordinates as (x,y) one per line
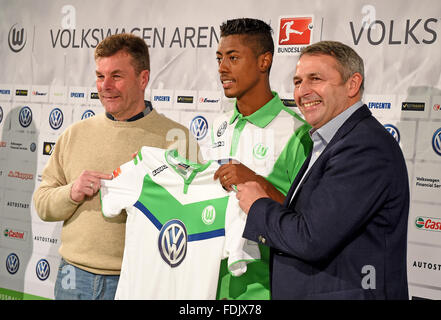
(261,239)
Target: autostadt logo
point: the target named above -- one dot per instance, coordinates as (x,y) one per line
(12,263)
(199,127)
(43,269)
(172,242)
(25,116)
(17,38)
(393,131)
(436,142)
(56,119)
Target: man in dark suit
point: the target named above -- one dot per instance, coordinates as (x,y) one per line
(342,230)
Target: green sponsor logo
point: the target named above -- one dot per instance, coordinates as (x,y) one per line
(419,222)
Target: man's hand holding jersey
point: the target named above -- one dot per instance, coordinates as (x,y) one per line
(235,173)
(87,184)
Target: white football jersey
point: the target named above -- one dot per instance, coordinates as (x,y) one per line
(180,225)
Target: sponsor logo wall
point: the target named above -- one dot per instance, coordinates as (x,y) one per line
(47,84)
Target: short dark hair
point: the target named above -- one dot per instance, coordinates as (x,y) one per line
(133,45)
(349,62)
(258,33)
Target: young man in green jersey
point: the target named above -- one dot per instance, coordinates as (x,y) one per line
(259,140)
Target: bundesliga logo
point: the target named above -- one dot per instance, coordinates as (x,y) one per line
(294,34)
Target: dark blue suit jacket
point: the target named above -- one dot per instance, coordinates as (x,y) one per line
(344,235)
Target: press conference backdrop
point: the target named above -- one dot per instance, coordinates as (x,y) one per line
(47,83)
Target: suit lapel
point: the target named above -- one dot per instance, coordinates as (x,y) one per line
(350,123)
(297,180)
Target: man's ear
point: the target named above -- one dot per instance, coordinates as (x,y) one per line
(145,77)
(265,61)
(354,84)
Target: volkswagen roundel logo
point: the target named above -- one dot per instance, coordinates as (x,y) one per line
(172,242)
(1,114)
(42,269)
(25,116)
(199,127)
(87,114)
(12,263)
(16,38)
(436,142)
(393,131)
(56,118)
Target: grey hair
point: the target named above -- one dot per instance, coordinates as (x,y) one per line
(349,62)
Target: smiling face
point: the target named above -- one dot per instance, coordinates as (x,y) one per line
(319,90)
(120,88)
(238,67)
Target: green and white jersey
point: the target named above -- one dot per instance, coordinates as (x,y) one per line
(273,142)
(180,225)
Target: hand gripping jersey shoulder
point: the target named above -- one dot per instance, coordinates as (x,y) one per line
(180,224)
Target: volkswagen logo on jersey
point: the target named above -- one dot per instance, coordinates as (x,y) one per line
(42,269)
(436,142)
(393,131)
(199,127)
(87,114)
(172,242)
(12,263)
(25,116)
(56,118)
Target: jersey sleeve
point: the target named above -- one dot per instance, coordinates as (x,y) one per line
(123,190)
(239,250)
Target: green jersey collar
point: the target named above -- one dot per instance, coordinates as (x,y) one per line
(186,169)
(264,115)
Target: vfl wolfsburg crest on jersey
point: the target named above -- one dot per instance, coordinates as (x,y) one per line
(172,242)
(260,151)
(208,215)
